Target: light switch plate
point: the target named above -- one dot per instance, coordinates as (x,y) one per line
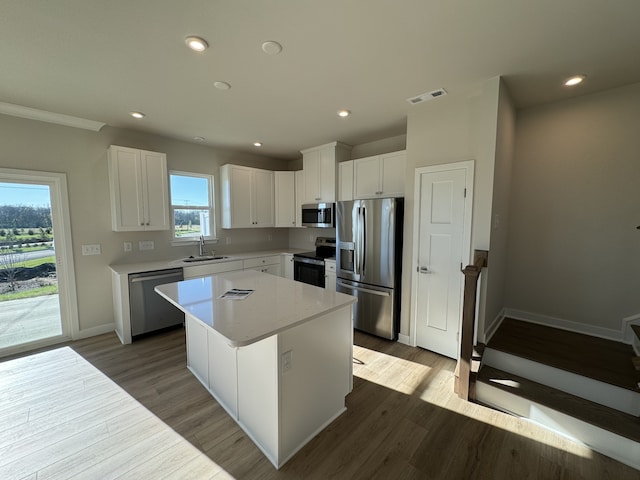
(146,245)
(94,249)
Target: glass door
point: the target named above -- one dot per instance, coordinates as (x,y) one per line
(36,302)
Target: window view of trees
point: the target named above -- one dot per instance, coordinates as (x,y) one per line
(27,257)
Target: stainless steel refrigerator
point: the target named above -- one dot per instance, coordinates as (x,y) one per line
(369,261)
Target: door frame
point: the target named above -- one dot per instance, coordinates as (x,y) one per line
(469,167)
(65,269)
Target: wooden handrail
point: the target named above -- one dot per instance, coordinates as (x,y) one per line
(471,276)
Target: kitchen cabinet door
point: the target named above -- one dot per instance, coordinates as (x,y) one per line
(285,199)
(247,197)
(263,198)
(366,173)
(345,180)
(287,266)
(139,190)
(392,170)
(319,165)
(330,275)
(299,175)
(379,176)
(197,349)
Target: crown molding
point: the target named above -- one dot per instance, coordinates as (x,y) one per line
(50,117)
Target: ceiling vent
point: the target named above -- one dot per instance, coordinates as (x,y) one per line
(427,96)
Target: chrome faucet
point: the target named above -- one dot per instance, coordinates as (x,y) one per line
(201,251)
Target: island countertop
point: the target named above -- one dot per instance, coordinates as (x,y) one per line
(275,305)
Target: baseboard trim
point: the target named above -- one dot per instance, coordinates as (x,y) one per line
(569,325)
(92,332)
(405,339)
(493,327)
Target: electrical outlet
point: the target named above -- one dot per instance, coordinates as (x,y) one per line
(91,249)
(146,245)
(128,246)
(286,361)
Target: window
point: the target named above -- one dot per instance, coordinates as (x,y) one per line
(192,208)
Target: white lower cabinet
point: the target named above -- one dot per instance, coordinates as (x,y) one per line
(271,264)
(197,349)
(223,373)
(287,265)
(197,271)
(330,275)
(281,390)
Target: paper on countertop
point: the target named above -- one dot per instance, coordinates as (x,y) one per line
(236,294)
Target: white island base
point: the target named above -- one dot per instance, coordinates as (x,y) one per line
(284,388)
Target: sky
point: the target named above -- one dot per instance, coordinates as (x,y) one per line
(28,194)
(189,191)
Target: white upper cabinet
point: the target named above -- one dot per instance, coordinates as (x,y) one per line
(345,180)
(299,175)
(139,189)
(247,197)
(379,176)
(319,166)
(285,199)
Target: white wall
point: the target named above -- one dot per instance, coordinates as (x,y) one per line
(574,250)
(493,279)
(452,129)
(82,155)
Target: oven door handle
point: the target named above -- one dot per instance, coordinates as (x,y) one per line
(308,260)
(364,290)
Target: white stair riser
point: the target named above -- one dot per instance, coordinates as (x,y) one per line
(609,395)
(615,446)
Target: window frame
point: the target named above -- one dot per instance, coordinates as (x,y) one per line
(213,237)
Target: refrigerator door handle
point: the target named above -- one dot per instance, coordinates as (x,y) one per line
(364,240)
(364,290)
(356,248)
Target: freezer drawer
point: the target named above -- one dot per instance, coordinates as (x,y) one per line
(375,310)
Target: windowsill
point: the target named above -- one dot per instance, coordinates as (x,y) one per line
(192,241)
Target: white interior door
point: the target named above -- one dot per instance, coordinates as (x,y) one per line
(441,246)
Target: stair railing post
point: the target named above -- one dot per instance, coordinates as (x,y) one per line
(471,276)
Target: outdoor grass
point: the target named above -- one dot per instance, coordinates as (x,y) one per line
(36,262)
(34,292)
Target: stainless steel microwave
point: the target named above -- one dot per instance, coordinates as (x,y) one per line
(320,215)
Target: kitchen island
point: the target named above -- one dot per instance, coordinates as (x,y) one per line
(279,361)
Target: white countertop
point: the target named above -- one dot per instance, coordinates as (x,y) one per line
(276,304)
(127,268)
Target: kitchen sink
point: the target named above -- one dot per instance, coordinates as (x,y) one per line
(204,258)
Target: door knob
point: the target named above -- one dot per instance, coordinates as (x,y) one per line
(423,270)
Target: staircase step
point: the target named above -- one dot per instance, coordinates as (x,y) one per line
(606,430)
(603,417)
(603,360)
(636,330)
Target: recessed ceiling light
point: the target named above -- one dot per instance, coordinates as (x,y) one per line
(271,48)
(575,80)
(137,114)
(257,144)
(199,139)
(222,85)
(196,44)
(344,113)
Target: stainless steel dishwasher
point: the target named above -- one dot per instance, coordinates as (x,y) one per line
(148,310)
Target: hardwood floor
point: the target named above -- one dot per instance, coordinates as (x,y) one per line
(593,357)
(403,422)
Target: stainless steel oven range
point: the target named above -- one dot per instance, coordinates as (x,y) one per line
(308,267)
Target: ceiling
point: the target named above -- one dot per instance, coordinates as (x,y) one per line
(100,60)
